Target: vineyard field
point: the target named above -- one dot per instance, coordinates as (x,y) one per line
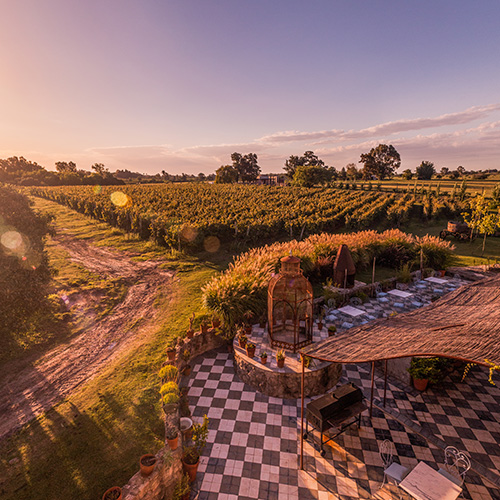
(188,215)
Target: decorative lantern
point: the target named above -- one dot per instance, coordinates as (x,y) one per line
(344,270)
(290,307)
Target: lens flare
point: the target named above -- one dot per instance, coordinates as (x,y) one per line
(189,233)
(211,244)
(120,199)
(12,240)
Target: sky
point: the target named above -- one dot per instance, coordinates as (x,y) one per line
(179,85)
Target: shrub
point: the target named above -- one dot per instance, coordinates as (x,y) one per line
(169,387)
(169,373)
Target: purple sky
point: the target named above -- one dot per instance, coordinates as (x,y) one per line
(179,85)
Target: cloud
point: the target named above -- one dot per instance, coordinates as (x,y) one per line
(388,128)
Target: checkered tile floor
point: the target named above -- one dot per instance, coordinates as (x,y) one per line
(253,444)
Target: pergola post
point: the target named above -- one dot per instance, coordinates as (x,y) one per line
(302,414)
(371,396)
(385,381)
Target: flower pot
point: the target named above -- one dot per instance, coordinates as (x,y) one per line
(320,325)
(248,330)
(420,384)
(171,354)
(186,425)
(187,370)
(147,463)
(191,470)
(332,332)
(242,343)
(250,352)
(114,493)
(263,360)
(442,273)
(170,408)
(190,334)
(281,363)
(173,443)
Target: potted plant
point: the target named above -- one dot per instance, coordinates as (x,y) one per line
(182,489)
(168,373)
(147,464)
(191,454)
(170,402)
(186,370)
(320,319)
(250,349)
(423,371)
(263,357)
(171,349)
(280,358)
(262,321)
(248,322)
(114,493)
(332,329)
(172,437)
(242,340)
(190,331)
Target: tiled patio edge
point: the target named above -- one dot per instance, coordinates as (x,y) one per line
(418,429)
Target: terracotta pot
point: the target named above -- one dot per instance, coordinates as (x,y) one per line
(420,384)
(146,470)
(248,330)
(114,493)
(242,343)
(171,354)
(320,325)
(190,334)
(442,273)
(187,370)
(263,360)
(281,363)
(191,470)
(173,443)
(331,333)
(250,352)
(170,408)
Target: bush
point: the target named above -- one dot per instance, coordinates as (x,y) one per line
(169,387)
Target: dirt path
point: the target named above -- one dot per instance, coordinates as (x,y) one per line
(26,393)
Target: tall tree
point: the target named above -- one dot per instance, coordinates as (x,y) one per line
(226,174)
(65,167)
(380,162)
(311,175)
(425,170)
(246,166)
(308,159)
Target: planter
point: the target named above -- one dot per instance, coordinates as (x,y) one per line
(171,354)
(114,493)
(173,443)
(263,360)
(186,425)
(248,330)
(320,325)
(250,352)
(420,384)
(242,343)
(147,463)
(170,408)
(187,370)
(281,363)
(332,331)
(442,273)
(191,470)
(190,334)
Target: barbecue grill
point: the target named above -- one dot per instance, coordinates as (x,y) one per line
(339,409)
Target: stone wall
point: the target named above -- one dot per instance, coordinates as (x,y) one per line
(286,384)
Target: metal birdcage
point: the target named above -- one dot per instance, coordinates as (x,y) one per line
(290,307)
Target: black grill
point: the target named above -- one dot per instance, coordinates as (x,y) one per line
(335,409)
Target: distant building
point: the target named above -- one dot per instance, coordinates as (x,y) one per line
(271,179)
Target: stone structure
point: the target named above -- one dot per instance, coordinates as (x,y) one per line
(344,270)
(290,307)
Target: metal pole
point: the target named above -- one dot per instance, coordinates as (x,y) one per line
(371,396)
(385,381)
(302,415)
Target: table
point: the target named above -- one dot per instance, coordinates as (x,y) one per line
(426,483)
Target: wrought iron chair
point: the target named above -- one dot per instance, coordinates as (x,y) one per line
(456,465)
(392,470)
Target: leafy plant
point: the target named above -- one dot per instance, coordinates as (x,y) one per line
(193,452)
(170,398)
(172,432)
(263,354)
(169,373)
(426,369)
(169,387)
(250,345)
(280,354)
(404,273)
(182,488)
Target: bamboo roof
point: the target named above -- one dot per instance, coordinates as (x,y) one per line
(464,324)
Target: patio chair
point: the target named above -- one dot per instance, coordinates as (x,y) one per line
(456,465)
(392,470)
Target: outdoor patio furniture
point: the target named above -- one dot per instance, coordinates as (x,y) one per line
(456,465)
(392,470)
(426,483)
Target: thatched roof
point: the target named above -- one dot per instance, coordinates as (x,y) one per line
(464,324)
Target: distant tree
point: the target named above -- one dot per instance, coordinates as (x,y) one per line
(425,170)
(201,177)
(343,174)
(311,175)
(99,169)
(352,172)
(461,170)
(308,159)
(226,174)
(246,166)
(66,167)
(445,171)
(380,162)
(407,174)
